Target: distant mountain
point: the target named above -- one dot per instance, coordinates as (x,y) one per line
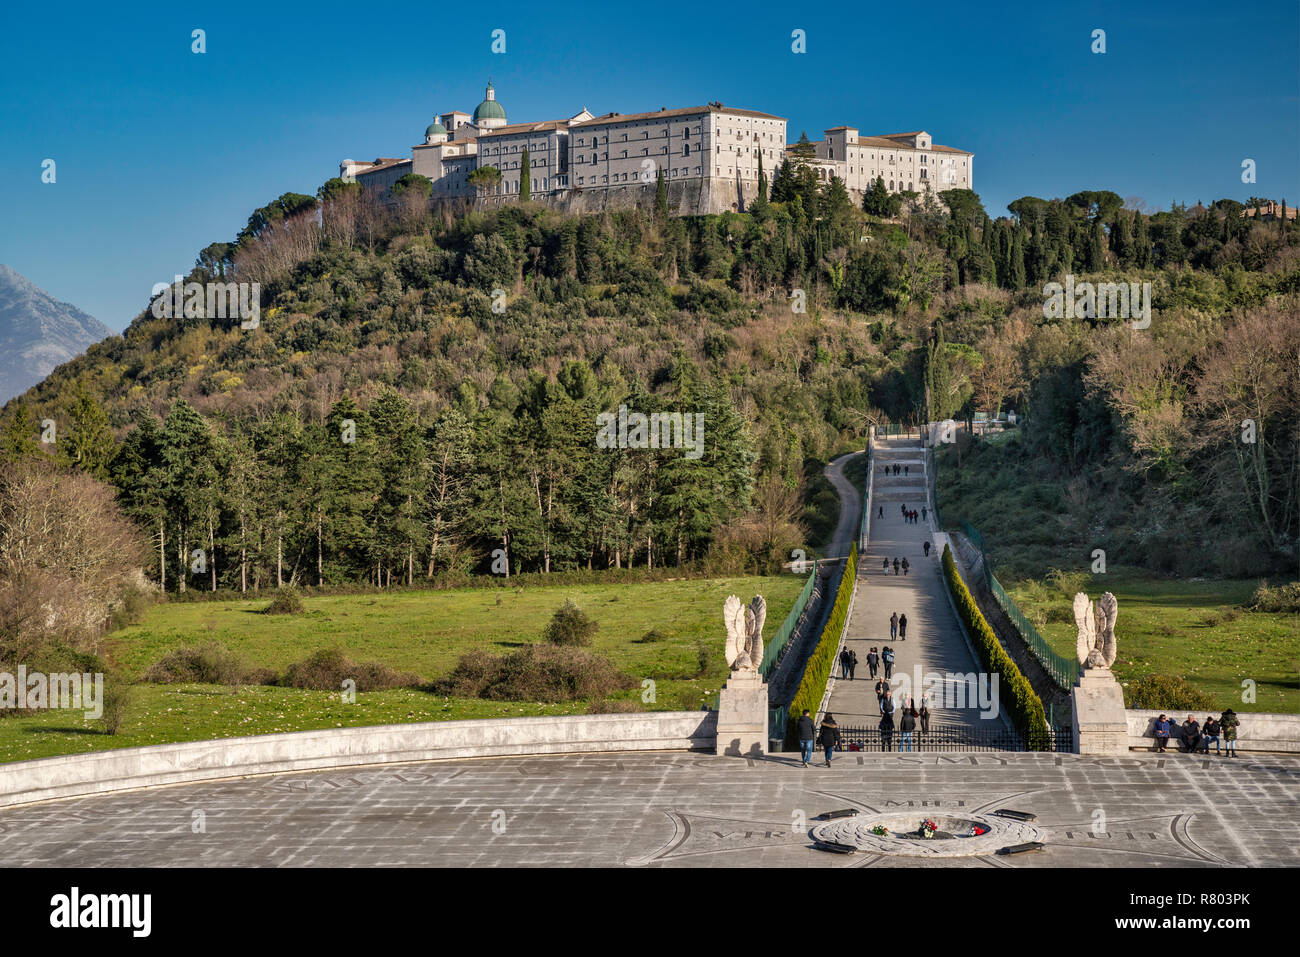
(38,333)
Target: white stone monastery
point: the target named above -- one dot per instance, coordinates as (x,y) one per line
(708,155)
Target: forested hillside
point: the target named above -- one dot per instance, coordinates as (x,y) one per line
(423,386)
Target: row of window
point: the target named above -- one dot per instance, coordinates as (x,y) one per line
(633,177)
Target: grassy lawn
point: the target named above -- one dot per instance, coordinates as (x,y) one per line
(422,632)
(1198,630)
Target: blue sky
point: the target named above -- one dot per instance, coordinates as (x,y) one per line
(161,151)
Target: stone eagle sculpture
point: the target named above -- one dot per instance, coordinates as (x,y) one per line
(1096,623)
(744,632)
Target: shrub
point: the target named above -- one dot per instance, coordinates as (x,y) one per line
(651,636)
(208,664)
(570,626)
(812,687)
(1166,693)
(117,699)
(327,669)
(536,673)
(1067,583)
(1283,598)
(1024,706)
(287,601)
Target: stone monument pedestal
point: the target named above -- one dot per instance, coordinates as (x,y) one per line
(742,715)
(1099,723)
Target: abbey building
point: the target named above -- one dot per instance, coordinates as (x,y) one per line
(709,157)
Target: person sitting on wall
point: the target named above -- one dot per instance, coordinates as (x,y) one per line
(1163,728)
(1191,735)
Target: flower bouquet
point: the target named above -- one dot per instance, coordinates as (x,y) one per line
(976,830)
(927,828)
(880,830)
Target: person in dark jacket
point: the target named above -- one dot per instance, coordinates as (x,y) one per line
(1191,734)
(923,513)
(873,661)
(807,736)
(830,736)
(895,566)
(887,657)
(881,512)
(926,546)
(902,628)
(881,687)
(887,731)
(886,566)
(906,566)
(906,725)
(924,715)
(893,625)
(1229,722)
(853,663)
(1162,731)
(1210,732)
(844,662)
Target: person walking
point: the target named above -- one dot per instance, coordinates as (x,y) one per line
(844,662)
(925,718)
(873,661)
(881,687)
(895,566)
(887,725)
(906,566)
(1162,730)
(926,546)
(902,628)
(1191,734)
(887,656)
(923,513)
(1210,732)
(905,469)
(887,731)
(893,625)
(830,736)
(853,663)
(906,725)
(807,736)
(886,566)
(1229,722)
(880,513)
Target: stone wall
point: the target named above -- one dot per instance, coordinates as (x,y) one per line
(23,782)
(1257,732)
(686,197)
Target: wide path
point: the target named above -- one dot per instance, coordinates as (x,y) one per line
(677,810)
(934,645)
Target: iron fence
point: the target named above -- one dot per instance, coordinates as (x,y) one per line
(1062,669)
(772,650)
(952,738)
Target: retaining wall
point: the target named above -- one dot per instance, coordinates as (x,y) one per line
(76,775)
(1257,732)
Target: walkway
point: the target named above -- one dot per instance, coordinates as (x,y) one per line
(934,642)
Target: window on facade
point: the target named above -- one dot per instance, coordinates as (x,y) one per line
(580,180)
(595,158)
(686,149)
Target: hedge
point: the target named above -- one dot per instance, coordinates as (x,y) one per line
(817,672)
(1015,694)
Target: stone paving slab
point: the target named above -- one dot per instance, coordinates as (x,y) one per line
(677,810)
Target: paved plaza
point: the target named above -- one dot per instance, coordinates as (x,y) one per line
(679,810)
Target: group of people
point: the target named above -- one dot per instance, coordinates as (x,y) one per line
(910,515)
(898,626)
(1197,737)
(906,722)
(904,564)
(875,659)
(885,470)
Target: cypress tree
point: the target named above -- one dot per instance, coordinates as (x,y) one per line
(661,195)
(525,179)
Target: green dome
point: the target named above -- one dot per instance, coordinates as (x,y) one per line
(435,128)
(489,109)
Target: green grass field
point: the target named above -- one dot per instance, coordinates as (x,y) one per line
(1198,630)
(422,632)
